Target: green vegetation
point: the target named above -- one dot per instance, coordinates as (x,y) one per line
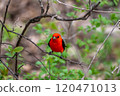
(87,41)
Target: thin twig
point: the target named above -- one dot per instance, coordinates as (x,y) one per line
(41,5)
(4,23)
(20,67)
(97,11)
(48,6)
(90,4)
(9,69)
(100,49)
(114,70)
(118,69)
(17,44)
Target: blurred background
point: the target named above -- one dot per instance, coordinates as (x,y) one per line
(82,37)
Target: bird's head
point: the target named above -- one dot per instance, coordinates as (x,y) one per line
(56,36)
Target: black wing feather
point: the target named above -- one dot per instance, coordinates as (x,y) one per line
(63,44)
(49,43)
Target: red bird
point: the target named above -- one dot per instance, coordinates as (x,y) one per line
(56,43)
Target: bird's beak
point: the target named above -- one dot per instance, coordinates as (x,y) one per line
(54,37)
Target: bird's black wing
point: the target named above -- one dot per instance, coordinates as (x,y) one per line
(49,43)
(63,44)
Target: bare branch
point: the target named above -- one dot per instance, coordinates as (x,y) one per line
(41,5)
(90,4)
(118,69)
(114,70)
(48,6)
(97,11)
(20,67)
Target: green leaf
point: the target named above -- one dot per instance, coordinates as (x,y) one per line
(118,74)
(38,63)
(90,72)
(81,28)
(53,25)
(40,42)
(61,74)
(47,31)
(89,78)
(118,61)
(39,31)
(58,13)
(116,2)
(10,48)
(113,17)
(70,14)
(54,1)
(38,27)
(80,73)
(65,70)
(18,49)
(78,1)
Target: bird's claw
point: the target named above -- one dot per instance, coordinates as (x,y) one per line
(50,53)
(61,57)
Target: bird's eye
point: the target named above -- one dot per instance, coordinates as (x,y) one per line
(57,36)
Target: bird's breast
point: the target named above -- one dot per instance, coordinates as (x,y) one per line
(56,46)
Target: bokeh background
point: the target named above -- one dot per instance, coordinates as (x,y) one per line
(82,37)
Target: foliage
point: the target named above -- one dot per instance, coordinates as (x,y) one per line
(93,35)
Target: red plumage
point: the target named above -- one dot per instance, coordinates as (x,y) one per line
(56,43)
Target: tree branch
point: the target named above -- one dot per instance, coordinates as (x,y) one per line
(41,5)
(37,19)
(97,11)
(74,62)
(4,23)
(48,6)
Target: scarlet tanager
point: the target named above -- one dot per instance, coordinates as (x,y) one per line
(56,43)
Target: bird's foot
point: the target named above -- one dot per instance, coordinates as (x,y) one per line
(61,57)
(50,53)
